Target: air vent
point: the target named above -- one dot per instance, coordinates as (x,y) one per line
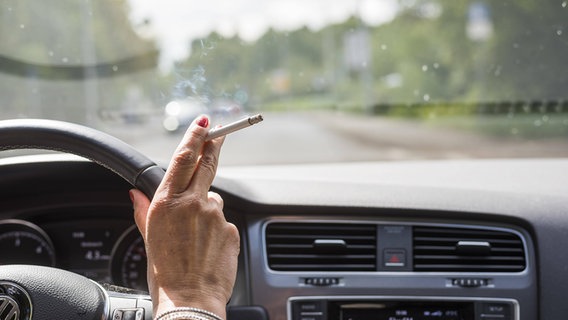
(467,250)
(321,247)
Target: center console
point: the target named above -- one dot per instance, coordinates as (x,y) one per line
(366,268)
(401,308)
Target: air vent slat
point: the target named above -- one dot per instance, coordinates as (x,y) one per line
(314,228)
(324,267)
(308,237)
(309,246)
(465,232)
(468,268)
(294,247)
(322,257)
(438,249)
(456,239)
(466,258)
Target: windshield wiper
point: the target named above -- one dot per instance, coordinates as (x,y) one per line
(79,72)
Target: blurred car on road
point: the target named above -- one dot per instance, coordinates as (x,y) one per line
(178,114)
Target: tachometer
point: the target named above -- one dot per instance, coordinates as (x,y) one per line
(128,261)
(23,242)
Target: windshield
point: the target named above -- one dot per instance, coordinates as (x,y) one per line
(336,80)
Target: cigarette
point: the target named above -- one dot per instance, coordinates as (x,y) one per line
(232,127)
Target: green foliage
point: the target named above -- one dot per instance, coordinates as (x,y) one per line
(423,57)
(422,64)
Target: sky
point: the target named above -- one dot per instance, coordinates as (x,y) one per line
(175,23)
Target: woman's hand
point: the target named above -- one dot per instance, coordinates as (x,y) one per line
(192,250)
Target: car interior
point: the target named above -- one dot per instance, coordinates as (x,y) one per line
(476,237)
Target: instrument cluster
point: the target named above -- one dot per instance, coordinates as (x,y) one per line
(108,250)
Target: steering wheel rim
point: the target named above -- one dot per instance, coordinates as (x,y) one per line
(57,293)
(99,147)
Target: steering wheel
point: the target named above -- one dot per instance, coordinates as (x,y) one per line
(34,292)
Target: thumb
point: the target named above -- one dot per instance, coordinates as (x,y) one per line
(141,204)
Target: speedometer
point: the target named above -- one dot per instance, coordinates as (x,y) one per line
(128,262)
(23,242)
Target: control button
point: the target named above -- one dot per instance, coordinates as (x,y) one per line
(309,307)
(309,310)
(394,258)
(128,314)
(495,310)
(145,304)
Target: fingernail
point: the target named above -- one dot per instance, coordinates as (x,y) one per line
(203,122)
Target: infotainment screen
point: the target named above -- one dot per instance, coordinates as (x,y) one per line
(393,308)
(405,311)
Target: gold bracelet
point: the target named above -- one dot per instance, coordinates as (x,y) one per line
(187,313)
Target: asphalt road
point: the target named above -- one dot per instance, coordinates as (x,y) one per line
(328,137)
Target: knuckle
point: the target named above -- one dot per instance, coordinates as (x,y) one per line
(185,156)
(216,198)
(215,212)
(209,163)
(168,203)
(232,232)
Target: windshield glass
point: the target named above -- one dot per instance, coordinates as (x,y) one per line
(336,80)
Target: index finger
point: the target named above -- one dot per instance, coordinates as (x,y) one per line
(186,157)
(207,166)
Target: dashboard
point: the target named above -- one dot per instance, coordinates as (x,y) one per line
(398,241)
(72,222)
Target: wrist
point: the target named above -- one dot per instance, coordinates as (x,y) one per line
(187,313)
(210,305)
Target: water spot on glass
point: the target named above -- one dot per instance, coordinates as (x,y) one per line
(300,74)
(538,123)
(22,26)
(426,97)
(497,71)
(384,47)
(564,4)
(114,68)
(559,32)
(416,92)
(514,131)
(64,59)
(50,53)
(545,118)
(424,68)
(516,45)
(436,65)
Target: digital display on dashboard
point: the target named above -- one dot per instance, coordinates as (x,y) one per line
(86,248)
(406,311)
